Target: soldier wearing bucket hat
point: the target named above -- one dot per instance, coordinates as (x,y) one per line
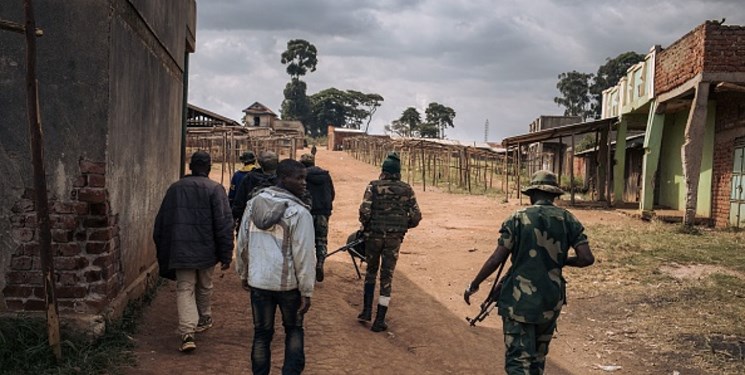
(537,240)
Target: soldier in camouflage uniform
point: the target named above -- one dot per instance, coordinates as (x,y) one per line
(387,211)
(537,239)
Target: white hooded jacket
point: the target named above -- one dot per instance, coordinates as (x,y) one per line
(276,243)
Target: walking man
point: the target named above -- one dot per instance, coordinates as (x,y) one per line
(387,212)
(249,163)
(537,239)
(276,253)
(193,231)
(321,189)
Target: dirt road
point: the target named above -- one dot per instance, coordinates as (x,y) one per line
(428,333)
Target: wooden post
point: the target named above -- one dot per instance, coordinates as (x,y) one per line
(224,157)
(561,157)
(571,172)
(506,173)
(46,257)
(424,168)
(519,192)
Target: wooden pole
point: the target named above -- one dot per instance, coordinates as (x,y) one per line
(571,172)
(224,157)
(519,193)
(46,256)
(506,173)
(424,169)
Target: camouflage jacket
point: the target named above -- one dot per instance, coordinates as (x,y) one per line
(538,237)
(389,206)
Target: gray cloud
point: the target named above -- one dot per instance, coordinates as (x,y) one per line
(487,59)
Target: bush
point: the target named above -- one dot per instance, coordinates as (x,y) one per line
(579,183)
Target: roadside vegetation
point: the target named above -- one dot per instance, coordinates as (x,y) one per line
(672,294)
(24,348)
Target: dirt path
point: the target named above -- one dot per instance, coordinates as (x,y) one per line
(428,333)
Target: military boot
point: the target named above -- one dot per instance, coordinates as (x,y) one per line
(380,325)
(366,314)
(319,270)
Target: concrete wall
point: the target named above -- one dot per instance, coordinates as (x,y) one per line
(111,83)
(672,189)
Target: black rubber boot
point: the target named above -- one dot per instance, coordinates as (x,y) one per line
(366,314)
(319,270)
(380,325)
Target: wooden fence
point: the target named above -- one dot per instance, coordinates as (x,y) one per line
(439,163)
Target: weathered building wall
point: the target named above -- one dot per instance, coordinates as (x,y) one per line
(680,61)
(724,48)
(111,93)
(671,182)
(730,125)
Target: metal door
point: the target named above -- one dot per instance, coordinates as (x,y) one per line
(737,193)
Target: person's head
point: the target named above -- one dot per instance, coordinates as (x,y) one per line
(268,161)
(543,186)
(291,176)
(392,164)
(200,163)
(248,157)
(308,160)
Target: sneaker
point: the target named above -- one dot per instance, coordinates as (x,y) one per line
(204,324)
(187,343)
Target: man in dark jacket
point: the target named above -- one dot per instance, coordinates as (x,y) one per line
(193,231)
(255,180)
(321,189)
(249,163)
(387,212)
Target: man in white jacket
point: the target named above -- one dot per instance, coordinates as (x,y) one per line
(276,254)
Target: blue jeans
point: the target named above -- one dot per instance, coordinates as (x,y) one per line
(264,306)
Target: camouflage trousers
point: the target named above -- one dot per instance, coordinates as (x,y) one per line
(526,346)
(321,226)
(382,253)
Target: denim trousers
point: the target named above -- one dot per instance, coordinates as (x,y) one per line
(264,305)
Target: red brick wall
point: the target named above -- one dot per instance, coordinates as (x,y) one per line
(730,125)
(680,61)
(710,48)
(85,244)
(724,48)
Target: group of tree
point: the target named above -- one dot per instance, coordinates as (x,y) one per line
(340,108)
(437,118)
(582,93)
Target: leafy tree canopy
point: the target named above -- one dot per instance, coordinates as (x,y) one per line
(582,93)
(296,105)
(339,108)
(299,57)
(575,93)
(437,118)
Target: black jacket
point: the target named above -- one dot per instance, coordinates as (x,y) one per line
(321,189)
(194,228)
(249,186)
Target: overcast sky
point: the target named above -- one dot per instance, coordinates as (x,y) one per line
(487,59)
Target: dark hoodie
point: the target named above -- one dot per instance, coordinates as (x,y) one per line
(321,189)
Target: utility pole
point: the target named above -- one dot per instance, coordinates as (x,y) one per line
(486,131)
(41,200)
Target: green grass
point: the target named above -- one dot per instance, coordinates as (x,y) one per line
(24,348)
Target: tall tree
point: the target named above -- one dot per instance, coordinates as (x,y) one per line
(300,57)
(438,118)
(296,105)
(609,74)
(339,108)
(575,93)
(410,121)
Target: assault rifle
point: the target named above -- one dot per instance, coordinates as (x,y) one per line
(491,299)
(355,247)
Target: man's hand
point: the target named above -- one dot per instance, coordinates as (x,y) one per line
(224,266)
(304,305)
(470,289)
